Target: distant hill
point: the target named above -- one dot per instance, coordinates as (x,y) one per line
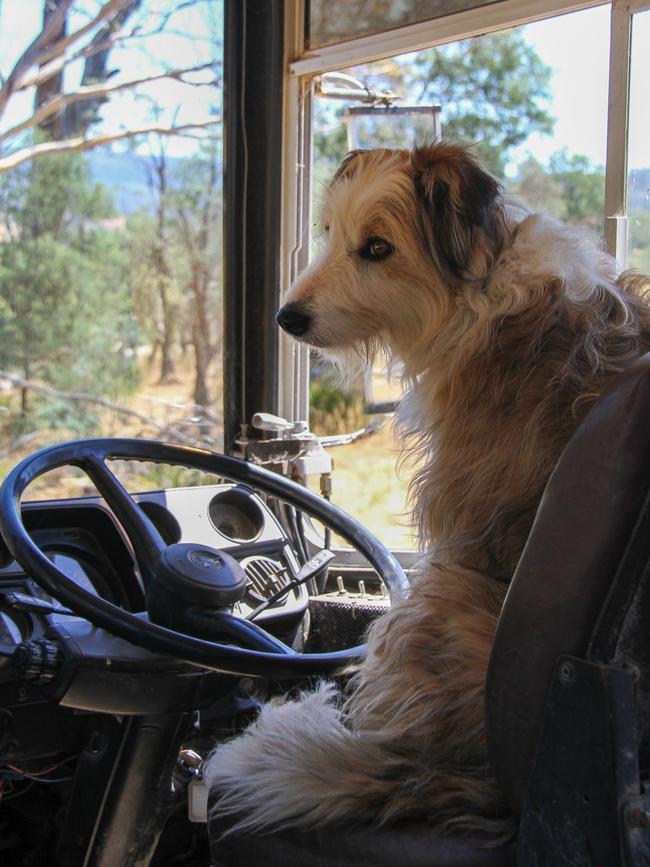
(126,177)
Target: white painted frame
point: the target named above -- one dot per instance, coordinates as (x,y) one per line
(618,122)
(428,34)
(293,398)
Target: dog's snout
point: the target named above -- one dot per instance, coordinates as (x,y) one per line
(293,319)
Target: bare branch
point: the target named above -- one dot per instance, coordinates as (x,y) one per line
(54,66)
(81,397)
(20,442)
(30,56)
(94,91)
(108,10)
(76,145)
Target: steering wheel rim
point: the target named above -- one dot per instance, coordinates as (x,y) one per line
(276,659)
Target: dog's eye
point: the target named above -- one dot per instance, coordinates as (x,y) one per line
(326,227)
(376,249)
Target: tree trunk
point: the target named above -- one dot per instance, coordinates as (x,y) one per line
(201,333)
(52,127)
(203,348)
(167,361)
(79,116)
(164,274)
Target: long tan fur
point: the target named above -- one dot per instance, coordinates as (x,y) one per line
(507,326)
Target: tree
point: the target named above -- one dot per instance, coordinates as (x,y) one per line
(155,287)
(570,188)
(538,188)
(65,313)
(583,188)
(66,116)
(493,91)
(76,72)
(176,262)
(197,205)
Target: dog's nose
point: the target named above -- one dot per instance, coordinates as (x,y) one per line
(293,319)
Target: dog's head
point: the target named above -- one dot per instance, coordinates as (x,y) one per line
(406,233)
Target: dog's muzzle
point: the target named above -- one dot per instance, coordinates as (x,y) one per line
(293,319)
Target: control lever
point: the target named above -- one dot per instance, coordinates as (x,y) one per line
(266,421)
(22,602)
(311,569)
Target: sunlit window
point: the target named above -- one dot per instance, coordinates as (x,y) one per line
(110,222)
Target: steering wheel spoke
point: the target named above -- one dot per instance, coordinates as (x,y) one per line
(246,634)
(147,542)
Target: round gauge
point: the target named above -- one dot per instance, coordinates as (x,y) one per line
(236,515)
(13,627)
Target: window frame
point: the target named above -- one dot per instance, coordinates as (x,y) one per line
(303,65)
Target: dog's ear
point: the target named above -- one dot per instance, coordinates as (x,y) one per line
(457,201)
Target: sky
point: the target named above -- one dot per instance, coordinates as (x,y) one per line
(575,46)
(185,43)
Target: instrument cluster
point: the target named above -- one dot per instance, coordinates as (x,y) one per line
(83,539)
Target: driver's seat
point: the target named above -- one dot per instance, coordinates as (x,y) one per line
(568,689)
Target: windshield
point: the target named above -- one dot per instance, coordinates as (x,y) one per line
(110,223)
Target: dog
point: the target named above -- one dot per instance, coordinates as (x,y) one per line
(507,326)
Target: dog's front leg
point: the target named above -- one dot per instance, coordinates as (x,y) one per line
(407,742)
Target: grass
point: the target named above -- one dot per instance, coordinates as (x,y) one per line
(365,480)
(366,484)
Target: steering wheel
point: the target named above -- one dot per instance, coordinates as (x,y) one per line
(262,654)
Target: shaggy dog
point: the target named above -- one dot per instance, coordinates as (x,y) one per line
(507,326)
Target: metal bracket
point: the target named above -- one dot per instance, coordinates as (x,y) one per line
(586,768)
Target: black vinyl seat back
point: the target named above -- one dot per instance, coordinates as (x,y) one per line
(582,589)
(582,581)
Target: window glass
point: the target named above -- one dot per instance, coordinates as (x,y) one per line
(532,101)
(638,189)
(330,21)
(110,223)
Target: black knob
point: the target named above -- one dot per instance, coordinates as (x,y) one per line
(37,660)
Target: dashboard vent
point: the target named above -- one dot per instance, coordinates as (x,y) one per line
(265,577)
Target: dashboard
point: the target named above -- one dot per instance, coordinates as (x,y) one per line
(83,539)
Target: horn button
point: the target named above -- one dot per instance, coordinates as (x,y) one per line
(190,576)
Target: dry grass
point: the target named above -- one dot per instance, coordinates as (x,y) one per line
(366,485)
(365,481)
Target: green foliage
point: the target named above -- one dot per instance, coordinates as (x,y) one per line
(582,186)
(175,259)
(536,187)
(570,188)
(332,410)
(639,240)
(492,89)
(65,316)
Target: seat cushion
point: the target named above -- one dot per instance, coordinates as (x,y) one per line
(343,846)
